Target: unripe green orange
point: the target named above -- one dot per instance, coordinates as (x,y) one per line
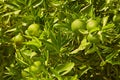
(18,39)
(78,24)
(33,29)
(37,63)
(116,18)
(34,68)
(91,24)
(24,73)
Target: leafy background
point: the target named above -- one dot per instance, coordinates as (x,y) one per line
(58,53)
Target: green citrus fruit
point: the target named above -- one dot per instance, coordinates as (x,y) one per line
(37,63)
(116,18)
(18,39)
(91,24)
(77,24)
(33,29)
(34,68)
(24,73)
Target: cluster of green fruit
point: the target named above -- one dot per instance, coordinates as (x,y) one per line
(80,24)
(90,26)
(32,30)
(77,25)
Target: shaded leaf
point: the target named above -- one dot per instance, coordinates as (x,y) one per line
(56,74)
(84,70)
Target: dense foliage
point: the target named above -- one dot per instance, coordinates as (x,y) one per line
(59,39)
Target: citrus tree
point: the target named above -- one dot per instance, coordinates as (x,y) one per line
(59,39)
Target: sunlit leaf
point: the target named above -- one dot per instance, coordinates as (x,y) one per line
(108,26)
(35,41)
(105,19)
(82,46)
(65,68)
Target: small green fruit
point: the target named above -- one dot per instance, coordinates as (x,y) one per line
(78,24)
(91,24)
(18,39)
(34,68)
(33,30)
(24,73)
(37,63)
(116,18)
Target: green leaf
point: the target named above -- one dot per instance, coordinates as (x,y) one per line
(56,74)
(53,37)
(29,53)
(13,5)
(11,30)
(49,45)
(114,62)
(89,10)
(12,13)
(38,4)
(82,67)
(82,46)
(84,70)
(65,68)
(83,31)
(108,26)
(110,56)
(74,77)
(90,51)
(105,19)
(100,36)
(108,1)
(71,77)
(23,62)
(35,42)
(60,25)
(103,63)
